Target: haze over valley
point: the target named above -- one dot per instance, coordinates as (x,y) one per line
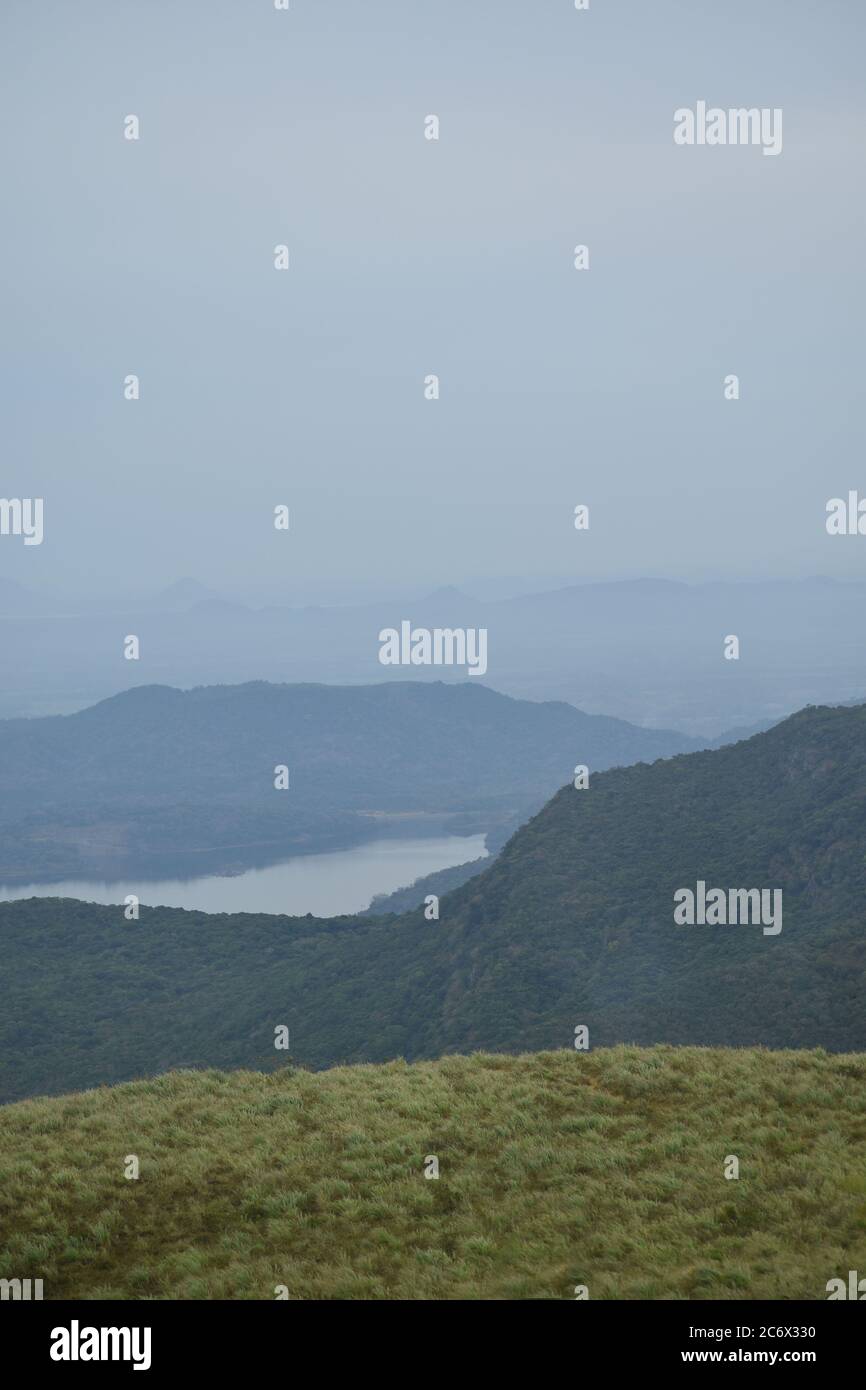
(647,650)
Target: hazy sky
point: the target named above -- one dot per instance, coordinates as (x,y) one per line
(411,257)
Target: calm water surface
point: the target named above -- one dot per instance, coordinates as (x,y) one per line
(324,884)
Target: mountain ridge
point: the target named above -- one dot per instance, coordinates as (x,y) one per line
(571,925)
(156,770)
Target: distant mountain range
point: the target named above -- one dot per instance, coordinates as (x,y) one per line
(156,780)
(572,926)
(646,650)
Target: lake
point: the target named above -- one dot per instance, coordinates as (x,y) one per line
(324,884)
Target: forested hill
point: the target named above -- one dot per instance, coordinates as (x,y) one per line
(158,772)
(572,925)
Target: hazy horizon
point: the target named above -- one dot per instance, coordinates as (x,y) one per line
(348,593)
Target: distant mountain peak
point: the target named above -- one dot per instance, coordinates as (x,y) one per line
(448,594)
(186,591)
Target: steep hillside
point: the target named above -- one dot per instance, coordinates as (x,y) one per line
(605,1170)
(442,881)
(575,920)
(157,774)
(573,924)
(415,894)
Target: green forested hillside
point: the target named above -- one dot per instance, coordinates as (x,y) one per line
(440,882)
(170,780)
(571,925)
(605,1170)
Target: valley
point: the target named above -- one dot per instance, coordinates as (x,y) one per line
(571,923)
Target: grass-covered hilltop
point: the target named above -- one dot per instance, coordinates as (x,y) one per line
(603,1169)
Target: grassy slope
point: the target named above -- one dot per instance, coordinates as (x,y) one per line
(557,1168)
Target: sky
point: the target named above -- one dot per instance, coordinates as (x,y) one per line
(409,257)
